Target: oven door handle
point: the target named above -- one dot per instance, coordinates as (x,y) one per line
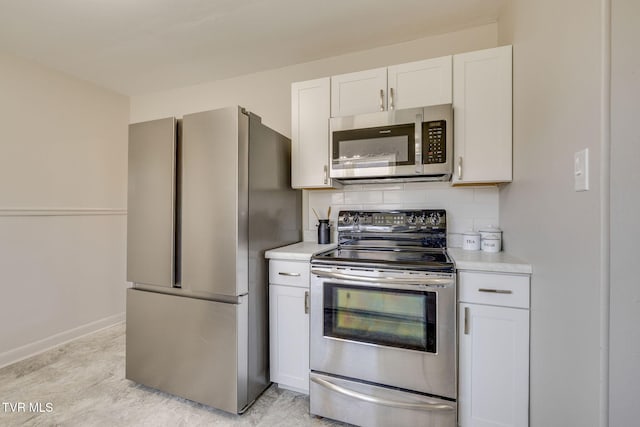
(379,401)
(431,281)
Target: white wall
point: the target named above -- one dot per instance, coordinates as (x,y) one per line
(268,93)
(557,111)
(62,207)
(625,213)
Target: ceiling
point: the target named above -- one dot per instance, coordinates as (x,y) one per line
(141,46)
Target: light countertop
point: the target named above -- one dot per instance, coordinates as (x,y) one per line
(301,251)
(499,262)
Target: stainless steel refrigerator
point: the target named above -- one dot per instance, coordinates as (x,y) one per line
(208,194)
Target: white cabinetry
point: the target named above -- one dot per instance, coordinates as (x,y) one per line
(482,103)
(493,350)
(360,92)
(420,83)
(289,324)
(310,110)
(478,84)
(414,84)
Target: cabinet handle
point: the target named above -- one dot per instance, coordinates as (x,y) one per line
(284,273)
(306,302)
(459,167)
(466,320)
(391,99)
(496,291)
(326,174)
(381,100)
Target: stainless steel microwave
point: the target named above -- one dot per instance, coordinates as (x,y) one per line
(415,144)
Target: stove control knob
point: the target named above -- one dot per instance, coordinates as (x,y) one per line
(434,219)
(356,218)
(412,219)
(346,219)
(422,219)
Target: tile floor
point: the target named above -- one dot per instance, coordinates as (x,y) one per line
(82,384)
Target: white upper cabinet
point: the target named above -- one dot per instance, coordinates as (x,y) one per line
(310,110)
(410,85)
(358,93)
(420,83)
(478,84)
(482,103)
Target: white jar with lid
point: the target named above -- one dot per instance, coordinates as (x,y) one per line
(491,239)
(471,241)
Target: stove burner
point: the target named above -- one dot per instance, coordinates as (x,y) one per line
(385,255)
(402,259)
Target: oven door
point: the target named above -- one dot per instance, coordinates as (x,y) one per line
(387,327)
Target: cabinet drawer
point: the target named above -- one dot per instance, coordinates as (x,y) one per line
(292,273)
(495,289)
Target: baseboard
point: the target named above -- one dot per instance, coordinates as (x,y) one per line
(37,347)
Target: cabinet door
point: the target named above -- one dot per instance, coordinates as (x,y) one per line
(358,93)
(289,336)
(418,84)
(482,105)
(494,366)
(310,109)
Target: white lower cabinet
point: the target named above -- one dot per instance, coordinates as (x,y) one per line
(289,324)
(493,388)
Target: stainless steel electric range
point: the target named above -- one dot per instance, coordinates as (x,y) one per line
(383,322)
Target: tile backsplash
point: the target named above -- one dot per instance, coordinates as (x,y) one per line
(468,208)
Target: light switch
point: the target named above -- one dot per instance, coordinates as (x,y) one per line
(581,170)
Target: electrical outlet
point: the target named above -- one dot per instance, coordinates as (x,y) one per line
(581,170)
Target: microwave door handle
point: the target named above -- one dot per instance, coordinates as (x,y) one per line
(418,144)
(426,406)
